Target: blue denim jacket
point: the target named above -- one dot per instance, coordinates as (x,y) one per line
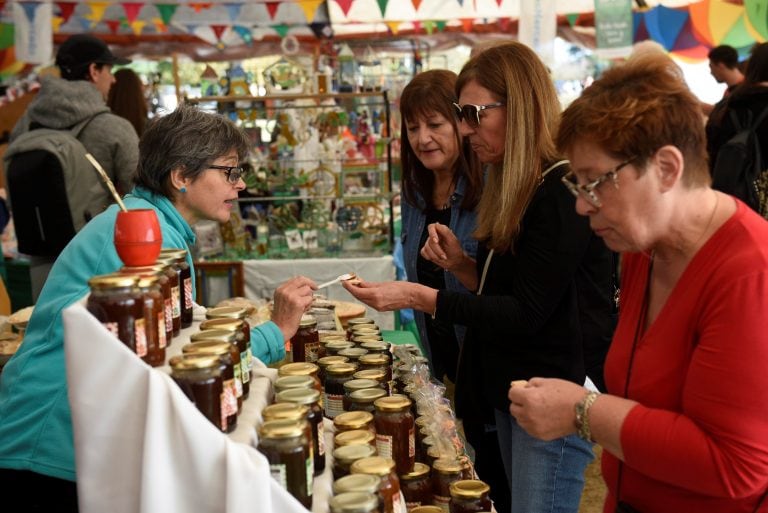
(462,224)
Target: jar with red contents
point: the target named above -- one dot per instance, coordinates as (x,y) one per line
(230,338)
(229,395)
(305,344)
(395,433)
(444,472)
(164,283)
(235,327)
(469,496)
(389,489)
(117,303)
(417,486)
(199,377)
(311,399)
(185,283)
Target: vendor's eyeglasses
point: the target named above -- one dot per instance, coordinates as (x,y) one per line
(234,173)
(471,113)
(588,191)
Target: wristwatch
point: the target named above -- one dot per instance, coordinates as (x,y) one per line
(582,416)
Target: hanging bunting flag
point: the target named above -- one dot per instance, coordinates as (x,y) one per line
(191,28)
(30,9)
(466,24)
(85,23)
(345,6)
(383,7)
(394,26)
(416,26)
(97,11)
(572,18)
(114,26)
(33,31)
(218,30)
(57,22)
(321,29)
(166,12)
(272,9)
(2,5)
(498,3)
(281,29)
(65,10)
(160,26)
(132,10)
(199,6)
(233,11)
(505,23)
(244,33)
(429,27)
(461,3)
(310,7)
(440,25)
(416,4)
(739,35)
(137,27)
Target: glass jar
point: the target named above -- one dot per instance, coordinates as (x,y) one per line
(355,437)
(358,321)
(426,509)
(366,334)
(229,393)
(376,361)
(325,361)
(389,489)
(174,276)
(305,344)
(353,353)
(164,283)
(199,377)
(353,420)
(185,282)
(230,338)
(354,502)
(332,347)
(335,377)
(469,496)
(286,447)
(378,375)
(117,303)
(154,323)
(363,400)
(356,384)
(344,457)
(365,483)
(289,411)
(444,472)
(235,327)
(378,346)
(417,486)
(395,433)
(310,398)
(302,369)
(235,312)
(288,382)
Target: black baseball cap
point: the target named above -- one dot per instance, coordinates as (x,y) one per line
(80,50)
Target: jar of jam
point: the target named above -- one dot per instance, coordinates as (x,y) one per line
(444,472)
(355,437)
(395,433)
(302,369)
(235,327)
(358,321)
(469,496)
(353,353)
(185,282)
(363,400)
(305,344)
(325,361)
(376,361)
(356,384)
(389,489)
(310,398)
(378,375)
(288,382)
(286,447)
(154,317)
(367,334)
(118,304)
(235,312)
(230,338)
(174,276)
(354,502)
(164,283)
(332,347)
(229,394)
(199,377)
(335,377)
(378,346)
(353,420)
(288,411)
(417,486)
(365,483)
(344,457)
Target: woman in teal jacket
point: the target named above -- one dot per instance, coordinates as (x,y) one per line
(188,171)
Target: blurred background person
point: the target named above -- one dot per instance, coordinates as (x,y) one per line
(685,427)
(127,99)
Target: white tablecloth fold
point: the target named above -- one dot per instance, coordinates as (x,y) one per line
(141,446)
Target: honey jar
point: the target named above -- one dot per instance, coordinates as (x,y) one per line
(395,433)
(335,377)
(305,344)
(355,437)
(389,489)
(117,303)
(354,502)
(234,312)
(417,486)
(235,327)
(344,457)
(229,394)
(469,496)
(185,283)
(352,420)
(199,377)
(310,398)
(286,447)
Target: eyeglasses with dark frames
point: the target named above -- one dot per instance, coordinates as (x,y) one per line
(588,191)
(234,173)
(471,113)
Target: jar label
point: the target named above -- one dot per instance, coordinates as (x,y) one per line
(113,328)
(140,337)
(176,304)
(279,474)
(312,352)
(238,381)
(398,503)
(384,445)
(245,372)
(188,293)
(223,415)
(169,309)
(444,503)
(229,398)
(161,340)
(310,468)
(333,405)
(320,439)
(250,357)
(411,442)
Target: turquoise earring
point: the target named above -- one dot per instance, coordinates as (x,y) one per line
(183,190)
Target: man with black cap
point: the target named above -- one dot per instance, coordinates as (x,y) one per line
(80,94)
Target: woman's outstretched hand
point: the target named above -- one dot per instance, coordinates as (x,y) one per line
(386,296)
(442,247)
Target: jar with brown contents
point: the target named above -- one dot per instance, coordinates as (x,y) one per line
(235,327)
(164,283)
(417,486)
(174,276)
(305,344)
(344,457)
(365,483)
(286,448)
(363,400)
(335,377)
(356,384)
(241,314)
(325,361)
(289,411)
(310,398)
(118,304)
(154,322)
(364,334)
(444,472)
(354,502)
(395,433)
(352,420)
(229,338)
(469,496)
(302,369)
(389,489)
(376,361)
(229,393)
(353,353)
(199,377)
(355,437)
(332,347)
(185,282)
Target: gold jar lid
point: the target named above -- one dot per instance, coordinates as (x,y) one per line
(375,465)
(332,335)
(174,252)
(298,369)
(341,369)
(426,509)
(359,320)
(325,361)
(338,345)
(367,395)
(364,330)
(298,396)
(288,382)
(353,353)
(447,465)
(207,347)
(354,437)
(353,420)
(307,321)
(192,362)
(349,453)
(222,323)
(140,269)
(365,339)
(375,346)
(469,489)
(392,403)
(220,335)
(360,384)
(419,471)
(354,502)
(374,359)
(229,312)
(282,429)
(374,374)
(169,261)
(113,281)
(365,483)
(284,411)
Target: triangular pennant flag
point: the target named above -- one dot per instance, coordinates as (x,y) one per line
(137,27)
(2,5)
(166,12)
(429,27)
(132,10)
(57,21)
(191,27)
(65,10)
(461,3)
(664,24)
(97,11)
(233,11)
(466,24)
(394,26)
(30,8)
(383,7)
(440,25)
(572,18)
(498,2)
(160,26)
(739,36)
(244,33)
(272,9)
(321,29)
(199,6)
(416,4)
(114,25)
(281,29)
(416,26)
(310,7)
(85,23)
(345,6)
(699,13)
(504,23)
(218,30)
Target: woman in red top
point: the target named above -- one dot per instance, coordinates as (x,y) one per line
(684,426)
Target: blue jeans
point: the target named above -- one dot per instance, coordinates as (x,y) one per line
(544,477)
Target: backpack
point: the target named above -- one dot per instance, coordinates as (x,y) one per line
(740,169)
(48,179)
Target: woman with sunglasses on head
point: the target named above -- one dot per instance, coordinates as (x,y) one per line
(542,280)
(188,171)
(685,427)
